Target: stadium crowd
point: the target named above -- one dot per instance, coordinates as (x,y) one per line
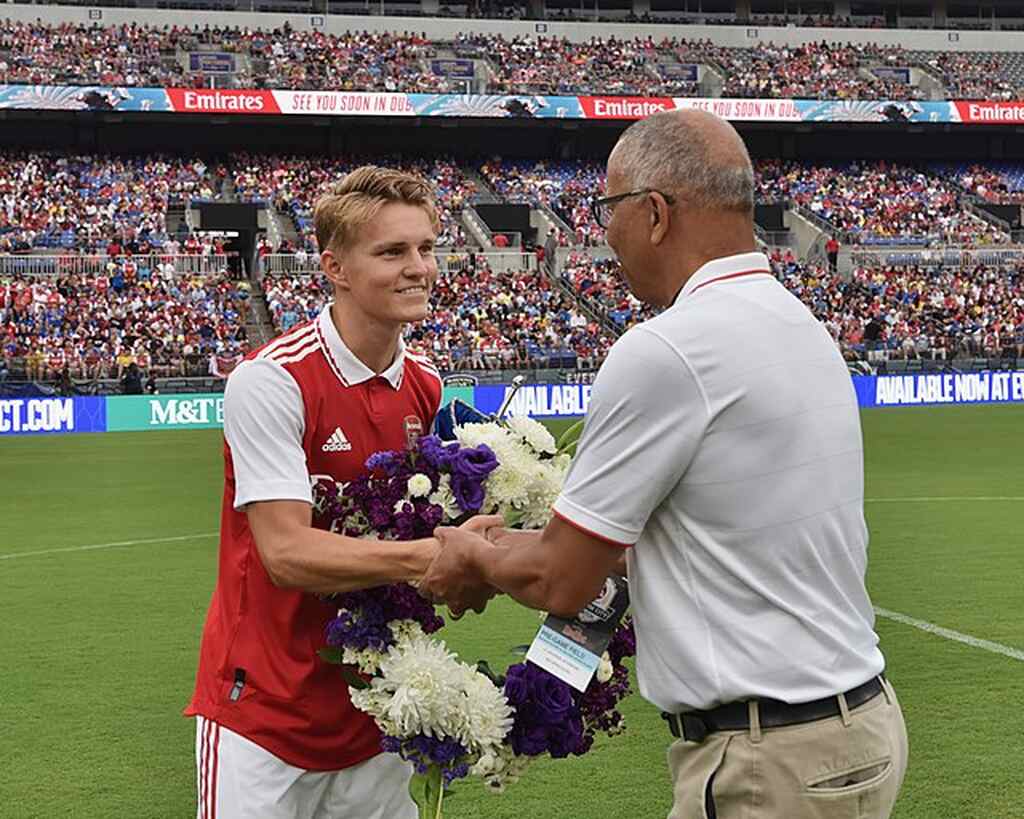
(86,203)
(292,184)
(566,187)
(89,327)
(287,58)
(549,65)
(973,76)
(480,320)
(811,71)
(912,312)
(116,207)
(67,54)
(878,202)
(999,184)
(597,284)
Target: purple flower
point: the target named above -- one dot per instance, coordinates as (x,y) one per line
(531,741)
(469,493)
(517,686)
(436,453)
(623,642)
(364,617)
(547,718)
(552,698)
(381,461)
(424,751)
(474,463)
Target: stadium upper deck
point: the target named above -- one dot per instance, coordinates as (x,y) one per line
(56,46)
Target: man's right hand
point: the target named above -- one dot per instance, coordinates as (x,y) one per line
(453,576)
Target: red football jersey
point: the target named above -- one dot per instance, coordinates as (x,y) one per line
(259,673)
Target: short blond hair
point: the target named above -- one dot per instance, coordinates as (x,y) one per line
(360,195)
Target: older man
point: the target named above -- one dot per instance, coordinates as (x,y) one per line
(722,453)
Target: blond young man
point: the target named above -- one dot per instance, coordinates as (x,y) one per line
(276,736)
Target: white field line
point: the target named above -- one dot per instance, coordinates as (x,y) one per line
(944,498)
(949,634)
(96,546)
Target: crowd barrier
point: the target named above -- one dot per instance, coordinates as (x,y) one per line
(40,416)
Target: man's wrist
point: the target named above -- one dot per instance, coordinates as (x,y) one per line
(420,555)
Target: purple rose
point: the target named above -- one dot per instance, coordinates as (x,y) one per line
(469,493)
(567,739)
(553,698)
(475,463)
(531,742)
(517,686)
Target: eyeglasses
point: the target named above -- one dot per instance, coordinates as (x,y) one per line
(602,207)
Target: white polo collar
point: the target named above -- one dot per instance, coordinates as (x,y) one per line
(349,369)
(728,267)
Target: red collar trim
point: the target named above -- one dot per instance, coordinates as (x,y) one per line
(728,276)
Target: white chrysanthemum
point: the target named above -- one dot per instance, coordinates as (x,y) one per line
(471,435)
(544,491)
(488,713)
(535,433)
(424,689)
(412,695)
(523,488)
(445,498)
(605,668)
(419,486)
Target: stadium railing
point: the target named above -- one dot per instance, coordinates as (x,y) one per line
(288,264)
(499,262)
(449,261)
(14,265)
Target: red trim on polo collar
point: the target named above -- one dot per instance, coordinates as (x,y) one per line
(728,276)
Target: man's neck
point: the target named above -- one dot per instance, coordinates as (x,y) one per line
(373,343)
(693,259)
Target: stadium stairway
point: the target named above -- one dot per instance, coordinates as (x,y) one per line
(259,327)
(484,193)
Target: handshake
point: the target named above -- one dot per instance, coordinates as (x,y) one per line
(459,574)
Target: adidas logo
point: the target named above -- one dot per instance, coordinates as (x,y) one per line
(337,442)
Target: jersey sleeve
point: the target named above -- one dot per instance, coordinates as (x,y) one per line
(647,415)
(264,423)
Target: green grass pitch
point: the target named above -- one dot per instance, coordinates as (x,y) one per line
(98,646)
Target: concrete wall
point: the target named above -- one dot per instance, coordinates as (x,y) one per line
(442,29)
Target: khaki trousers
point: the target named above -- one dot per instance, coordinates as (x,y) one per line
(845,767)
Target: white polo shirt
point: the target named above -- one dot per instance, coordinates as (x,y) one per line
(723,440)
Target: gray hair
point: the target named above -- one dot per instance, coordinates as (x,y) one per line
(668,153)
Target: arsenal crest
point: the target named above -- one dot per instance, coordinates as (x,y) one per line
(413,429)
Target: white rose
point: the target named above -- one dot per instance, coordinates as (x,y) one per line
(419,486)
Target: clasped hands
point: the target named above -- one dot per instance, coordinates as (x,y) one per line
(455,575)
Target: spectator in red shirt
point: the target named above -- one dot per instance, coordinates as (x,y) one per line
(832,251)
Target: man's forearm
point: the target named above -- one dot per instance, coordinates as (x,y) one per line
(514,566)
(323,562)
(520,564)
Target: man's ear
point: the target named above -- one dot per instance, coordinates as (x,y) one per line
(659,216)
(333,269)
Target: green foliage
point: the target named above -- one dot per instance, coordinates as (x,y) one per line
(99,646)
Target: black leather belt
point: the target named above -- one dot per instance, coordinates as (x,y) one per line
(694,726)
